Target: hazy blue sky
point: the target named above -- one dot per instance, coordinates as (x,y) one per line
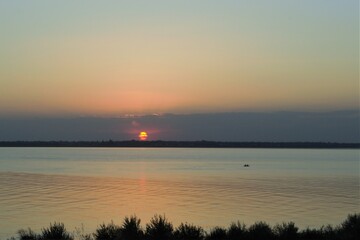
(277,126)
(109,58)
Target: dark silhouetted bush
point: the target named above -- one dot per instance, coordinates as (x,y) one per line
(108,232)
(350,228)
(27,235)
(56,231)
(237,231)
(286,231)
(260,230)
(159,228)
(311,234)
(189,232)
(131,229)
(217,233)
(330,233)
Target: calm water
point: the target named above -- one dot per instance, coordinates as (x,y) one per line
(206,187)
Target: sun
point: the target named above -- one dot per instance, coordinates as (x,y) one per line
(143,136)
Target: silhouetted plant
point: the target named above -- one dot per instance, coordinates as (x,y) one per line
(217,233)
(350,228)
(330,233)
(28,234)
(286,231)
(85,237)
(311,234)
(237,231)
(131,229)
(189,232)
(108,232)
(260,230)
(56,231)
(159,228)
(80,234)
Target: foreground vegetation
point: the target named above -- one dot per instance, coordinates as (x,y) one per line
(159,228)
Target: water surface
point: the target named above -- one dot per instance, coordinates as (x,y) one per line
(206,187)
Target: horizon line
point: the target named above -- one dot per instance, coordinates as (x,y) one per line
(182,144)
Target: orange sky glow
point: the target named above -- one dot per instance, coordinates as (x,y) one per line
(178,58)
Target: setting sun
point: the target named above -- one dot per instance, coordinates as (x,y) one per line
(143,136)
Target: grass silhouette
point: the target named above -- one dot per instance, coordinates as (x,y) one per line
(131,229)
(286,231)
(237,231)
(28,234)
(187,231)
(217,233)
(110,231)
(159,228)
(56,231)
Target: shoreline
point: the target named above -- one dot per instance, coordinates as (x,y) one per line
(181,144)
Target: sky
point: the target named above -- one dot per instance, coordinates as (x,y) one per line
(339,126)
(118,58)
(226,70)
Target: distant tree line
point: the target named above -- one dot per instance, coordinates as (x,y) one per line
(178,144)
(159,228)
